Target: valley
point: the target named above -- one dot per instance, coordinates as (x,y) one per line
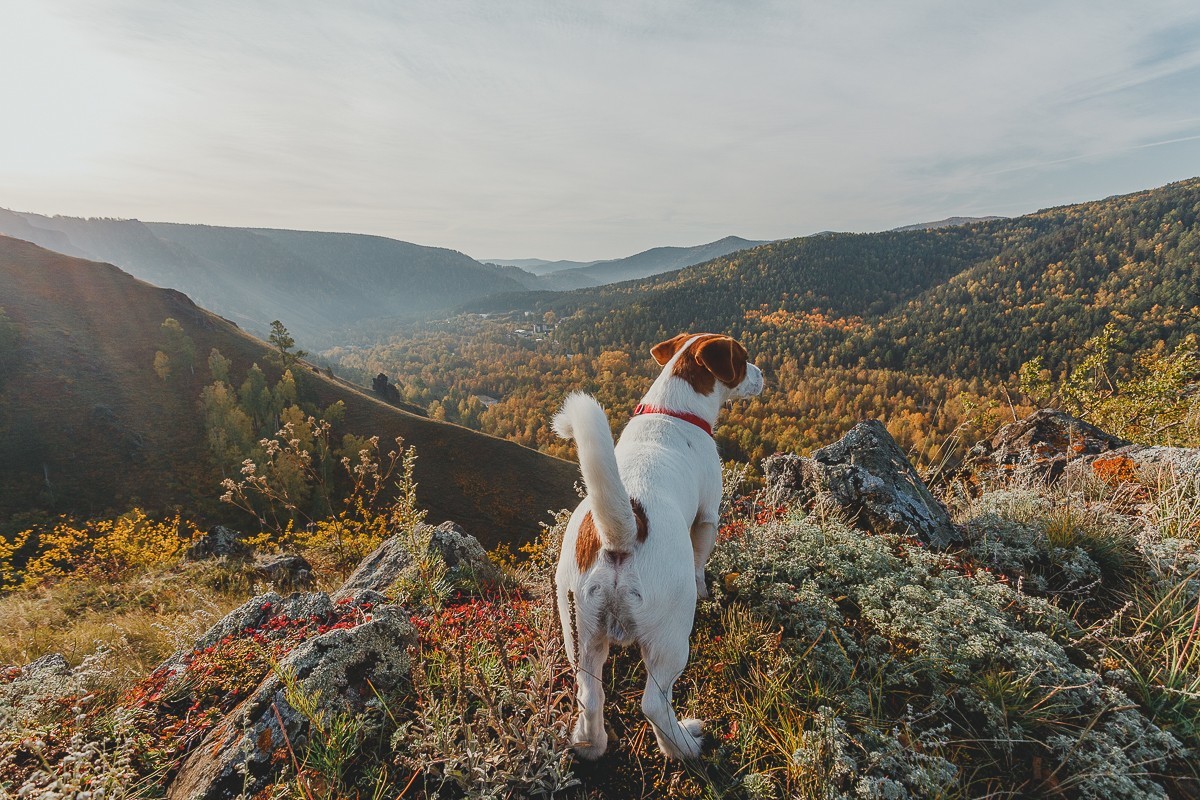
(353,547)
(926,328)
(291,295)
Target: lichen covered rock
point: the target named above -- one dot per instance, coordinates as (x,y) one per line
(867,476)
(464,556)
(457,554)
(24,691)
(338,672)
(379,570)
(1038,447)
(1135,464)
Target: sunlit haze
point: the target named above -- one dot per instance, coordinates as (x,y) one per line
(590,130)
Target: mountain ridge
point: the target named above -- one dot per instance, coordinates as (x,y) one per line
(645,264)
(256,275)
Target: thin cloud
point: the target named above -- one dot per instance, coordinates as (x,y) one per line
(583,130)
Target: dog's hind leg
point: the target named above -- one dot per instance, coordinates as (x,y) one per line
(589,738)
(704,538)
(665,661)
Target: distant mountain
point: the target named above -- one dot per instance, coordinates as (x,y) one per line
(317,283)
(642,265)
(86,424)
(538,266)
(948,222)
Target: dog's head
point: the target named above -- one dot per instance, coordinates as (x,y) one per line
(710,362)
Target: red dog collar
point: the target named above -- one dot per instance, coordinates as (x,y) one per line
(683,415)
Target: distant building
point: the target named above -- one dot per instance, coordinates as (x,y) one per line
(487,400)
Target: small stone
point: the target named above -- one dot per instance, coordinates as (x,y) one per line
(219,542)
(286,571)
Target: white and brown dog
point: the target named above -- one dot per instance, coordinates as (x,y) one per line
(632,561)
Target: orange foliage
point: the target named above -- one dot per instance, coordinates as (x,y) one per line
(801,320)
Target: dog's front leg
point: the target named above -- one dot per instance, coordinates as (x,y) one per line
(704,538)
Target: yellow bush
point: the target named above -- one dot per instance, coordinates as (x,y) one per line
(348,536)
(101,548)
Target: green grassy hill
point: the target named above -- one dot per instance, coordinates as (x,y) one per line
(86,425)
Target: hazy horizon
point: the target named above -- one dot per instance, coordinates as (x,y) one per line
(578,132)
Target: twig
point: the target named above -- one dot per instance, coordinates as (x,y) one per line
(287,741)
(408,785)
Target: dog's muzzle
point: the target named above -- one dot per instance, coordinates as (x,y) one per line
(752,384)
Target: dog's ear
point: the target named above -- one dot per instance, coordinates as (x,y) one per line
(724,357)
(664,351)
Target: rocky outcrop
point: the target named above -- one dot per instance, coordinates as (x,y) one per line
(467,563)
(219,542)
(337,672)
(285,570)
(259,617)
(1049,445)
(328,655)
(867,476)
(379,570)
(464,556)
(1038,448)
(254,614)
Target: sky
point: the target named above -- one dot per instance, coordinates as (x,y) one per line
(588,130)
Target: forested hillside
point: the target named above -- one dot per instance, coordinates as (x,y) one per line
(1065,274)
(926,328)
(976,300)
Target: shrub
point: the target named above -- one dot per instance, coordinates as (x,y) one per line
(104,549)
(380,500)
(1060,547)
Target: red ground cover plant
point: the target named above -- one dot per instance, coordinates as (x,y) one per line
(177,707)
(746,511)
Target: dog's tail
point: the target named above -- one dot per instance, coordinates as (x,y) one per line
(583,420)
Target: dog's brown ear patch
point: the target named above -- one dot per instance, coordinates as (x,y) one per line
(688,366)
(665,351)
(724,357)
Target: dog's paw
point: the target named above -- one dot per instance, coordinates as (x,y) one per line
(685,744)
(589,747)
(701,586)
